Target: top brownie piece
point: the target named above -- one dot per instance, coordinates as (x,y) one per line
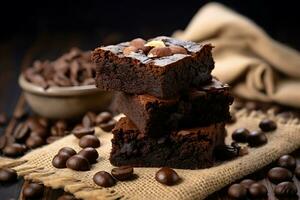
(162,66)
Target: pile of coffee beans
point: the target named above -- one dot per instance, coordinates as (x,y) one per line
(280,176)
(71,69)
(104,120)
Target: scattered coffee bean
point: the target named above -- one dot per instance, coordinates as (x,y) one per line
(267,125)
(287,161)
(67,150)
(256,139)
(60,160)
(43,121)
(240,135)
(160,52)
(122,173)
(52,139)
(104,179)
(137,43)
(237,191)
(226,152)
(177,50)
(103,117)
(33,190)
(3,141)
(258,190)
(21,132)
(89,120)
(67,197)
(108,126)
(90,154)
(279,174)
(167,176)
(297,172)
(285,189)
(247,183)
(78,163)
(89,141)
(79,133)
(3,119)
(34,142)
(14,150)
(8,175)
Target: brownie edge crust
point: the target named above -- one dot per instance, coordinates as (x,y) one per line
(185,149)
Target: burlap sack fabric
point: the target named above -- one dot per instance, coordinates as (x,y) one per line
(196,184)
(256,66)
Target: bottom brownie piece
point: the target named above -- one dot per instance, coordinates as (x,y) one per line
(185,149)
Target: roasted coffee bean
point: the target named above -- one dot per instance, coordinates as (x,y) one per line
(108,126)
(3,141)
(177,49)
(60,160)
(137,43)
(104,179)
(89,141)
(33,190)
(279,174)
(43,121)
(3,119)
(167,176)
(240,135)
(128,50)
(243,151)
(90,154)
(237,191)
(256,139)
(67,197)
(103,117)
(285,189)
(226,152)
(287,161)
(258,190)
(34,142)
(160,52)
(14,150)
(122,173)
(59,128)
(36,128)
(79,133)
(67,150)
(297,172)
(89,120)
(267,125)
(52,139)
(21,132)
(8,175)
(247,183)
(78,163)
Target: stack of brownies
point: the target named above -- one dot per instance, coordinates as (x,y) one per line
(175,110)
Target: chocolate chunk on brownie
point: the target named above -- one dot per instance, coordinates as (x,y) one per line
(161,67)
(200,107)
(186,149)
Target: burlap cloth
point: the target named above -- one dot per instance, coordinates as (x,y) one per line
(256,66)
(196,184)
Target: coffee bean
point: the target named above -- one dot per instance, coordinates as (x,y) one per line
(287,161)
(103,117)
(247,183)
(3,119)
(8,175)
(43,121)
(160,52)
(240,135)
(90,154)
(279,174)
(237,191)
(14,150)
(137,43)
(52,139)
(67,197)
(243,151)
(177,50)
(167,176)
(21,132)
(60,160)
(89,141)
(297,172)
(104,179)
(256,139)
(34,142)
(122,173)
(267,125)
(258,190)
(285,189)
(108,126)
(79,133)
(33,190)
(226,152)
(59,128)
(128,50)
(67,150)
(78,163)
(3,141)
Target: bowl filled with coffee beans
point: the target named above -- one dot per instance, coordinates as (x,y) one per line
(63,88)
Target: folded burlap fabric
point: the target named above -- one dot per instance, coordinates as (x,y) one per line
(256,66)
(196,184)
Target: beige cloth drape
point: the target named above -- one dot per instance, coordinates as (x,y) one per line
(256,66)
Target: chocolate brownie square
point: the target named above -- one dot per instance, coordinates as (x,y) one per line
(161,67)
(185,149)
(200,107)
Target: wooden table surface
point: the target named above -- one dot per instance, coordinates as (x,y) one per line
(19,53)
